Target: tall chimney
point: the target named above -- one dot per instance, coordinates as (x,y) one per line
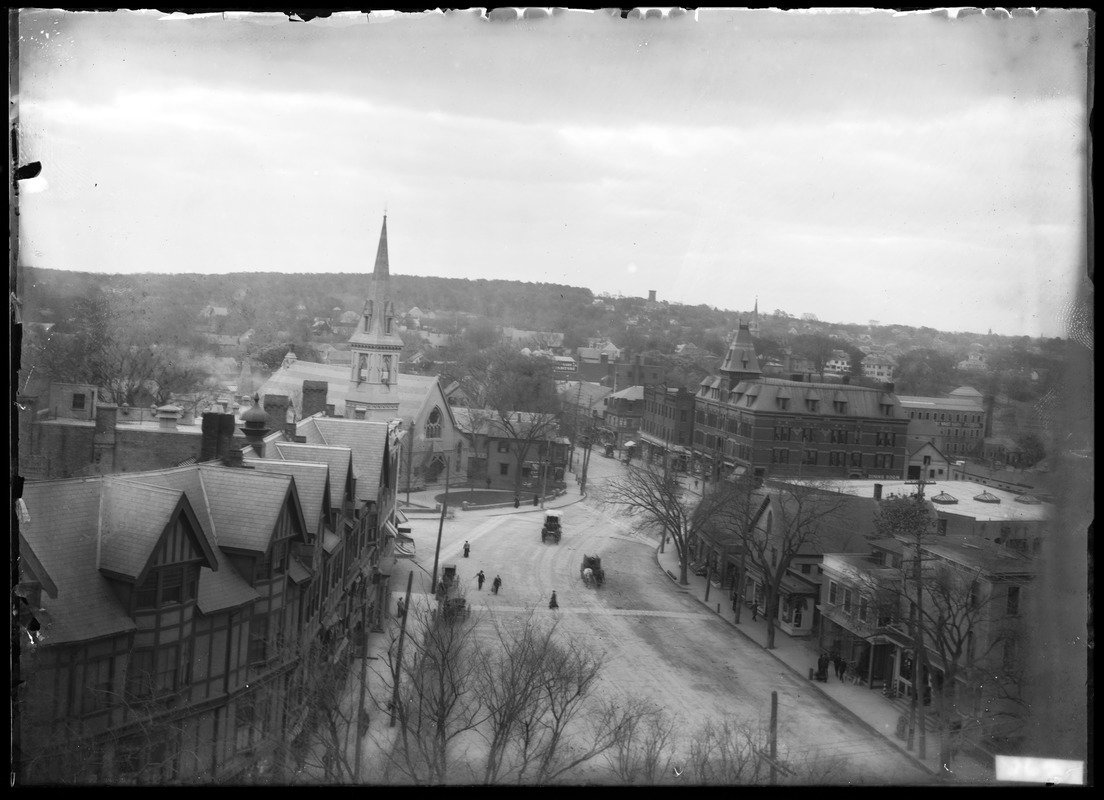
(276,406)
(208,448)
(225,435)
(314,397)
(651,295)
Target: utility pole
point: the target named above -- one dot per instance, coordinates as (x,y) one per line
(398,657)
(586,463)
(363,680)
(410,462)
(437,552)
(920,662)
(774,738)
(544,477)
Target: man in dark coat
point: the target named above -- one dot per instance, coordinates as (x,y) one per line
(480,577)
(496,584)
(839,664)
(517,501)
(822,667)
(536,500)
(467,549)
(553,604)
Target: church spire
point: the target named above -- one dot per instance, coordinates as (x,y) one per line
(375,344)
(381,270)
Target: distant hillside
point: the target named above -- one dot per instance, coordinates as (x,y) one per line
(283,302)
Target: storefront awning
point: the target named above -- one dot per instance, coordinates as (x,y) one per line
(405,549)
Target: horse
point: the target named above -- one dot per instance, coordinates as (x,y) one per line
(588,577)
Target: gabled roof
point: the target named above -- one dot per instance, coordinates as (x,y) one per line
(246,505)
(338,459)
(366,440)
(133,517)
(484,422)
(312,481)
(62,530)
(415,392)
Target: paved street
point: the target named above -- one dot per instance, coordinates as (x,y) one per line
(660,642)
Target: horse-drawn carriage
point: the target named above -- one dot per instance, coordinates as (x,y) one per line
(591,571)
(551,529)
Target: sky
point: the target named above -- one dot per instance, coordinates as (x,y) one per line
(913,169)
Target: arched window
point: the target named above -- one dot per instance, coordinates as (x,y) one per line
(362,368)
(385,375)
(433,424)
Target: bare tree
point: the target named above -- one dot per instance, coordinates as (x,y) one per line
(437,697)
(774,524)
(659,497)
(646,750)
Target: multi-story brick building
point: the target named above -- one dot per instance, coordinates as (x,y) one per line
(621,419)
(667,426)
(956,424)
(778,427)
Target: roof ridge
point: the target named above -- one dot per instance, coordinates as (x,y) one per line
(207,505)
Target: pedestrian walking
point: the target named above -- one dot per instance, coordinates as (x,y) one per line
(822,667)
(467,549)
(839,664)
(517,501)
(401,607)
(480,577)
(496,584)
(754,611)
(536,500)
(552,604)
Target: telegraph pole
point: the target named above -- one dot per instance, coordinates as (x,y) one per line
(398,657)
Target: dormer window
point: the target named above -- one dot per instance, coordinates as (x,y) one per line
(783,403)
(839,406)
(811,405)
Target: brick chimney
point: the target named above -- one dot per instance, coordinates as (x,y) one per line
(276,407)
(314,397)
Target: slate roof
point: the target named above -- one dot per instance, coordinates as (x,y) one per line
(132,518)
(312,481)
(366,440)
(219,589)
(245,503)
(64,516)
(861,401)
(338,459)
(414,391)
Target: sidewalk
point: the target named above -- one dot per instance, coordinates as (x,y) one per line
(868,705)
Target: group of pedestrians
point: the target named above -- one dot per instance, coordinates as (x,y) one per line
(837,662)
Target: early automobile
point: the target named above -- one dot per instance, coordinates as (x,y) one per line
(551,530)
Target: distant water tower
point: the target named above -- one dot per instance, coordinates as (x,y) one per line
(651,295)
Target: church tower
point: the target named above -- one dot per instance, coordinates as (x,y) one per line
(376,345)
(753,326)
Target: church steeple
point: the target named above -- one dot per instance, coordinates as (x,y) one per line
(375,345)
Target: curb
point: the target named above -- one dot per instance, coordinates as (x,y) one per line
(804,678)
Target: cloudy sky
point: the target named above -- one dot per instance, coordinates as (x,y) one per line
(912,169)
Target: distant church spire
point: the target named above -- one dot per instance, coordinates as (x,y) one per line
(375,345)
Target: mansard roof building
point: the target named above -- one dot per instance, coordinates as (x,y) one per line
(775,427)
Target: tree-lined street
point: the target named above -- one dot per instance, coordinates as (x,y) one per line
(659,643)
